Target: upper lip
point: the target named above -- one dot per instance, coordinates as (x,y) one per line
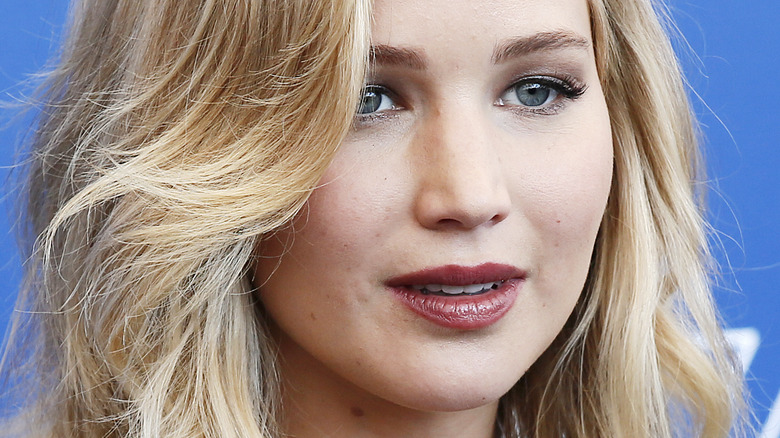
(457,275)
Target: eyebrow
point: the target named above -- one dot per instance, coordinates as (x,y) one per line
(415,59)
(397,56)
(534,43)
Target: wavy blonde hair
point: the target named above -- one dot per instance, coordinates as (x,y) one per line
(171,139)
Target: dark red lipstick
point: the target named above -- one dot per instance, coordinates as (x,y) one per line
(460,297)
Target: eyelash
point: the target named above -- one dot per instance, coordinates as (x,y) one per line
(567,87)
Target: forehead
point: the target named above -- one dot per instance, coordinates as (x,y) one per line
(455,23)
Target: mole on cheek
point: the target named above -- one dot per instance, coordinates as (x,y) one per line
(356,411)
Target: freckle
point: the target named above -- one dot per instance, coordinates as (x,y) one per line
(313,318)
(356,411)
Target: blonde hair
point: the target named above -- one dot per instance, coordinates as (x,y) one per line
(171,139)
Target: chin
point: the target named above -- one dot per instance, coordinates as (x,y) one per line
(456,404)
(454,394)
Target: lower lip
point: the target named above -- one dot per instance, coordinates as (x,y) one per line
(462,312)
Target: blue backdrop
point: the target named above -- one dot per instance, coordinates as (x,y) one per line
(731,54)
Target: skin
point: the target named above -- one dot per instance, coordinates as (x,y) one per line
(452,169)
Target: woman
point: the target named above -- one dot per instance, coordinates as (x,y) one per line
(505,240)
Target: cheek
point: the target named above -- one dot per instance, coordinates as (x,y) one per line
(341,220)
(575,198)
(566,197)
(318,229)
(333,236)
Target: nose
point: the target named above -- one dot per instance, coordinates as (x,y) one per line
(461,183)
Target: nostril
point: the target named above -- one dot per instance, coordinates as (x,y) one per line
(498,217)
(451,215)
(449,223)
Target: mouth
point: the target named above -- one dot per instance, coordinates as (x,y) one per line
(460,297)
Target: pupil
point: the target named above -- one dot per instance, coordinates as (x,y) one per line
(370,102)
(532,94)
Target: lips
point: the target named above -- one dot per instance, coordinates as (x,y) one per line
(460,297)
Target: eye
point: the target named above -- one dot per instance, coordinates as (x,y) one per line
(540,91)
(531,94)
(375,98)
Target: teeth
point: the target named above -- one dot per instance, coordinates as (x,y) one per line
(452,290)
(473,288)
(457,290)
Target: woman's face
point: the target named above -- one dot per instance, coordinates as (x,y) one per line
(451,236)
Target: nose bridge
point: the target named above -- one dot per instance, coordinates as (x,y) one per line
(461,183)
